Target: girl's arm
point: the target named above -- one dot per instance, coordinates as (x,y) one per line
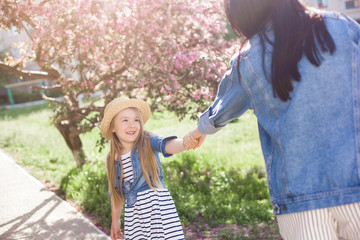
(177,145)
(115,220)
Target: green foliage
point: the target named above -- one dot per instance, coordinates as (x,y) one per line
(219,185)
(219,195)
(88,187)
(30,138)
(230,35)
(215,196)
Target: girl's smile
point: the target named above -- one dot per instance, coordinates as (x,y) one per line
(127,127)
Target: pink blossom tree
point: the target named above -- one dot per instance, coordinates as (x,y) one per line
(170,53)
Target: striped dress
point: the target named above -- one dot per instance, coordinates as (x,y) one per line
(154,214)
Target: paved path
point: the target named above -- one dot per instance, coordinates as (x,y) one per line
(29,211)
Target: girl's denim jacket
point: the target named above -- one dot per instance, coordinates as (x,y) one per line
(139,184)
(311,143)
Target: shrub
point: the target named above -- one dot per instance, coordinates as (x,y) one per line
(88,187)
(202,193)
(218,195)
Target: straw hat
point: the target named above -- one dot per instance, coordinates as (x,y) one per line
(116,106)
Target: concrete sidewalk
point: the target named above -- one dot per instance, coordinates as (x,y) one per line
(30,211)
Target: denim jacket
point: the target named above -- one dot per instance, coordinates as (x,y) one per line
(311,143)
(139,184)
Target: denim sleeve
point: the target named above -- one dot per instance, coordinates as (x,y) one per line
(158,144)
(231,101)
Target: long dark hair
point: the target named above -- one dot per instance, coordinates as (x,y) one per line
(297,30)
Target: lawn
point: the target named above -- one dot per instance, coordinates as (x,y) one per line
(220,189)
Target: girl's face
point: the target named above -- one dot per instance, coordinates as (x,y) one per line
(127,126)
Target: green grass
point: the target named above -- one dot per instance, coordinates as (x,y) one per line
(29,135)
(236,145)
(34,143)
(220,184)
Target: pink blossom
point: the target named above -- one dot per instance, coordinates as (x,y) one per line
(130,43)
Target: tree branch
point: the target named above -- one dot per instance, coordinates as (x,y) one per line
(53,87)
(96,99)
(119,71)
(49,99)
(27,19)
(85,111)
(29,74)
(43,3)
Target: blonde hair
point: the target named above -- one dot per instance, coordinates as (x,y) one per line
(148,162)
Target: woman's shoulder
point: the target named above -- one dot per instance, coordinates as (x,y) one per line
(333,15)
(339,18)
(242,54)
(337,23)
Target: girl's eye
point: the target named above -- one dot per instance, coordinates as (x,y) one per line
(125,120)
(137,120)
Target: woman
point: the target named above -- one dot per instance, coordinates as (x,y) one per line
(298,69)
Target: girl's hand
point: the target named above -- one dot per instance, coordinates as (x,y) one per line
(189,142)
(198,137)
(115,230)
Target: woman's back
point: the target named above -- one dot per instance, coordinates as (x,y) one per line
(306,138)
(300,75)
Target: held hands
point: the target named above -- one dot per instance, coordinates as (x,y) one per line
(193,139)
(189,142)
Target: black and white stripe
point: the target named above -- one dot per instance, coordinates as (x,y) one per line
(127,167)
(341,222)
(153,216)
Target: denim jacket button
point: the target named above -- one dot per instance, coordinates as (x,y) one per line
(283,207)
(276,209)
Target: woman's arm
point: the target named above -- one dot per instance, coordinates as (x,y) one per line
(232,100)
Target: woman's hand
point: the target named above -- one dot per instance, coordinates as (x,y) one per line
(189,142)
(115,230)
(194,134)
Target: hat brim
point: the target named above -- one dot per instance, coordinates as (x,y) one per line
(116,106)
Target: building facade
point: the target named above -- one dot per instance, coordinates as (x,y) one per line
(350,8)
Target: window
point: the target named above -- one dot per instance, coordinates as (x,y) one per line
(352,4)
(322,3)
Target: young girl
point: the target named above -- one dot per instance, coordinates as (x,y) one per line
(135,174)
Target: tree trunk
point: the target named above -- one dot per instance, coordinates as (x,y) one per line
(73,141)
